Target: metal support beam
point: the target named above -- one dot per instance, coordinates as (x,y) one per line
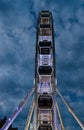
(30,115)
(17,111)
(59,114)
(70,110)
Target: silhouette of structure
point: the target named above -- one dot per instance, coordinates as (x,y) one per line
(3,121)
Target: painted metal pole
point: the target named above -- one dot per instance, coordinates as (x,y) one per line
(70,110)
(17,111)
(29,116)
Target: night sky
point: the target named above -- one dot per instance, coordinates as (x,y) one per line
(18,20)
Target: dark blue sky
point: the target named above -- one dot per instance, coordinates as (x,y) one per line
(18,20)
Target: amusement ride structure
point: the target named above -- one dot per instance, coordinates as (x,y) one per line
(44,112)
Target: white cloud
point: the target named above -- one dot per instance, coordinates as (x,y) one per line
(2,106)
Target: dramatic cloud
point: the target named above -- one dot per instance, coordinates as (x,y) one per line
(18,20)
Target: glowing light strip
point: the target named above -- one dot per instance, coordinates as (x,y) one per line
(17,111)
